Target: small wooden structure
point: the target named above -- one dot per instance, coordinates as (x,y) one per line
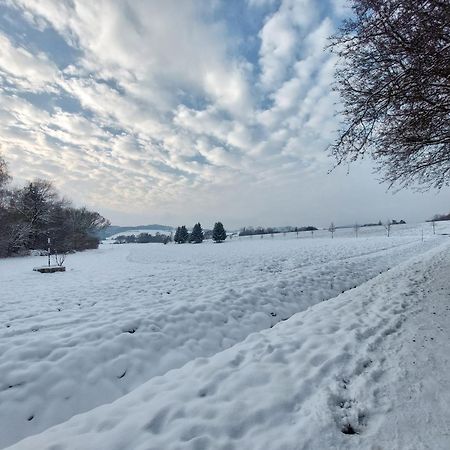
(50,269)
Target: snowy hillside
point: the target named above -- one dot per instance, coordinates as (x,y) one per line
(114,325)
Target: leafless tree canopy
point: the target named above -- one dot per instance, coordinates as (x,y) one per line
(388,226)
(59,258)
(332,229)
(4,177)
(394,79)
(35,212)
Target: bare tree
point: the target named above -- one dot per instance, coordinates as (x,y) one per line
(84,226)
(4,181)
(13,237)
(387,227)
(4,175)
(32,214)
(14,233)
(332,229)
(394,79)
(35,204)
(59,258)
(356,228)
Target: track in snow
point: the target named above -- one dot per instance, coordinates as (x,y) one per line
(123,315)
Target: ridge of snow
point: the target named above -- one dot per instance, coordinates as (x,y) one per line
(124,314)
(319,380)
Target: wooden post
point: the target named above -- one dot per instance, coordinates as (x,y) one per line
(48,242)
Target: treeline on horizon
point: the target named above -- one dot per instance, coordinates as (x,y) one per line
(142,238)
(218,234)
(182,236)
(439,218)
(250,231)
(31,214)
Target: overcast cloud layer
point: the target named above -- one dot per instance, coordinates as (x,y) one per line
(176,111)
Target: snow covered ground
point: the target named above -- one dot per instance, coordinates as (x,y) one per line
(114,325)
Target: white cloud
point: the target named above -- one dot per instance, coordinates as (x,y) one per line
(173,114)
(282,39)
(142,71)
(24,69)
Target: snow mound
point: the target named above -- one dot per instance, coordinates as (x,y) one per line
(315,381)
(124,314)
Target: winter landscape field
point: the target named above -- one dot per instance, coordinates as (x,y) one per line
(283,343)
(224,225)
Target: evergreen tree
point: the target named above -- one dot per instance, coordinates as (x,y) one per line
(177,236)
(197,234)
(184,235)
(219,233)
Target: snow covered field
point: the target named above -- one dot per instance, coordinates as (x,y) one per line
(124,316)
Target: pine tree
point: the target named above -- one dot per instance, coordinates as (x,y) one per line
(177,235)
(197,234)
(219,233)
(184,235)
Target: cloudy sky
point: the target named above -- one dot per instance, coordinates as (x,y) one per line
(173,111)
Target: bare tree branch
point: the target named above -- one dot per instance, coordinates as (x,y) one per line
(394,80)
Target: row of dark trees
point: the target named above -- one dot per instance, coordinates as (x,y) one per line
(197,235)
(35,212)
(440,217)
(143,238)
(250,231)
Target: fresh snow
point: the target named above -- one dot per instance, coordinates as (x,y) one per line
(114,325)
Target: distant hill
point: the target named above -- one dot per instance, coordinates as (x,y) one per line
(115,229)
